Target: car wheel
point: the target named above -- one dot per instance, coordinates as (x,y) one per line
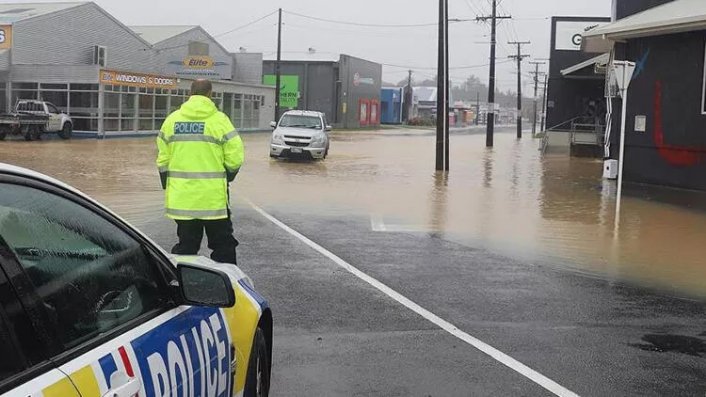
(66,131)
(257,380)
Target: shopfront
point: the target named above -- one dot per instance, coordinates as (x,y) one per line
(112,80)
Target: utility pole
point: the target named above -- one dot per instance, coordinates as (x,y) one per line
(278,73)
(544,102)
(536,83)
(408,98)
(477,106)
(442,91)
(491,83)
(519,57)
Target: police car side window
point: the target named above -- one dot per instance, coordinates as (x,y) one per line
(11,363)
(91,276)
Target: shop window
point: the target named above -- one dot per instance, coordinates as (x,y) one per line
(146,124)
(127,125)
(111,124)
(84,87)
(227,107)
(85,104)
(58,98)
(160,106)
(21,94)
(81,124)
(25,86)
(111,105)
(146,106)
(237,110)
(52,87)
(127,105)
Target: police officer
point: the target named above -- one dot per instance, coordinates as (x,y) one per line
(200,152)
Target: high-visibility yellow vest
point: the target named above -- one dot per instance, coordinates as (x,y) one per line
(197,146)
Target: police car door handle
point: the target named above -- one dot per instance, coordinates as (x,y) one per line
(123,386)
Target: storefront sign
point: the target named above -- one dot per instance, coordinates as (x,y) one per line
(5,37)
(139,80)
(358,80)
(198,62)
(570,34)
(289,89)
(200,66)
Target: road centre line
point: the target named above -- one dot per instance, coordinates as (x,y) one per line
(494,353)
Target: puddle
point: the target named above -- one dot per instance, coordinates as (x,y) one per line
(673,343)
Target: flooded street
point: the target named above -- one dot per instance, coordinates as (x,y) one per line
(551,210)
(516,249)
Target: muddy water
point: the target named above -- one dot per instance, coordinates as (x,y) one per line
(509,199)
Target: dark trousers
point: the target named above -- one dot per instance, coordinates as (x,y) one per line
(219,234)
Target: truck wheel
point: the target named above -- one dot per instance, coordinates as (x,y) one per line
(37,132)
(66,132)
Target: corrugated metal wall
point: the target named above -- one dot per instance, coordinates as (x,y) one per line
(50,74)
(67,38)
(247,68)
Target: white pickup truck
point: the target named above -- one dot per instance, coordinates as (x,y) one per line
(33,118)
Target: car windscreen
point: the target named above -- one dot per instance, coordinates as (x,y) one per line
(290,120)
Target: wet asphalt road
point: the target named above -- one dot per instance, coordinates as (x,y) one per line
(534,273)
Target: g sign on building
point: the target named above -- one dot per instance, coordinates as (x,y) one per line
(569,34)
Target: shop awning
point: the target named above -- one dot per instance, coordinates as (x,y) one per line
(599,61)
(674,17)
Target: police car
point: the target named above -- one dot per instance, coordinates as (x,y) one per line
(89,306)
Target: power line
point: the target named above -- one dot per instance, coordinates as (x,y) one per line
(221,34)
(433,68)
(370,25)
(246,25)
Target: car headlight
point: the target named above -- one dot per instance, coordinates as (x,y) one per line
(318,139)
(277,138)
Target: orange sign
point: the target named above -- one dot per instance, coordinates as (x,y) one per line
(139,80)
(5,37)
(198,62)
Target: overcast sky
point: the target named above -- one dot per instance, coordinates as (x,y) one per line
(410,47)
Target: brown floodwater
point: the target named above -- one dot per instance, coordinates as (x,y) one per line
(553,210)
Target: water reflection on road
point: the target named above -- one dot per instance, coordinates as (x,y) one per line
(509,199)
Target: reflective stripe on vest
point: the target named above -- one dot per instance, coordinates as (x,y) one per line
(198,214)
(230,136)
(197,175)
(194,138)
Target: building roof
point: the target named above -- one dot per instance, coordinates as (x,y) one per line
(15,12)
(154,34)
(674,17)
(600,60)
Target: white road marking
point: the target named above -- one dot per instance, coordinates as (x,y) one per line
(496,354)
(377,224)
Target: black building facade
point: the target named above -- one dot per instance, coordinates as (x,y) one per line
(347,90)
